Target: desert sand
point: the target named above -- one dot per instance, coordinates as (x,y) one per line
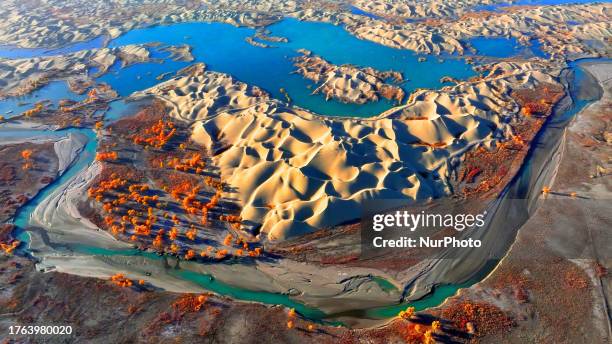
(296,171)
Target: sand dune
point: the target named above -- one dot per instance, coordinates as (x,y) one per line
(411,36)
(296,172)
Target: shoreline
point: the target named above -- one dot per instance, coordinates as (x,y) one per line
(575,208)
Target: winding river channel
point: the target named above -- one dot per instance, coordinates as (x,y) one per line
(222,48)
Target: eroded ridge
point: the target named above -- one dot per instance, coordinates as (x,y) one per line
(347,83)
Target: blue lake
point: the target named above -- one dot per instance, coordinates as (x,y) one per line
(502,47)
(223,48)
